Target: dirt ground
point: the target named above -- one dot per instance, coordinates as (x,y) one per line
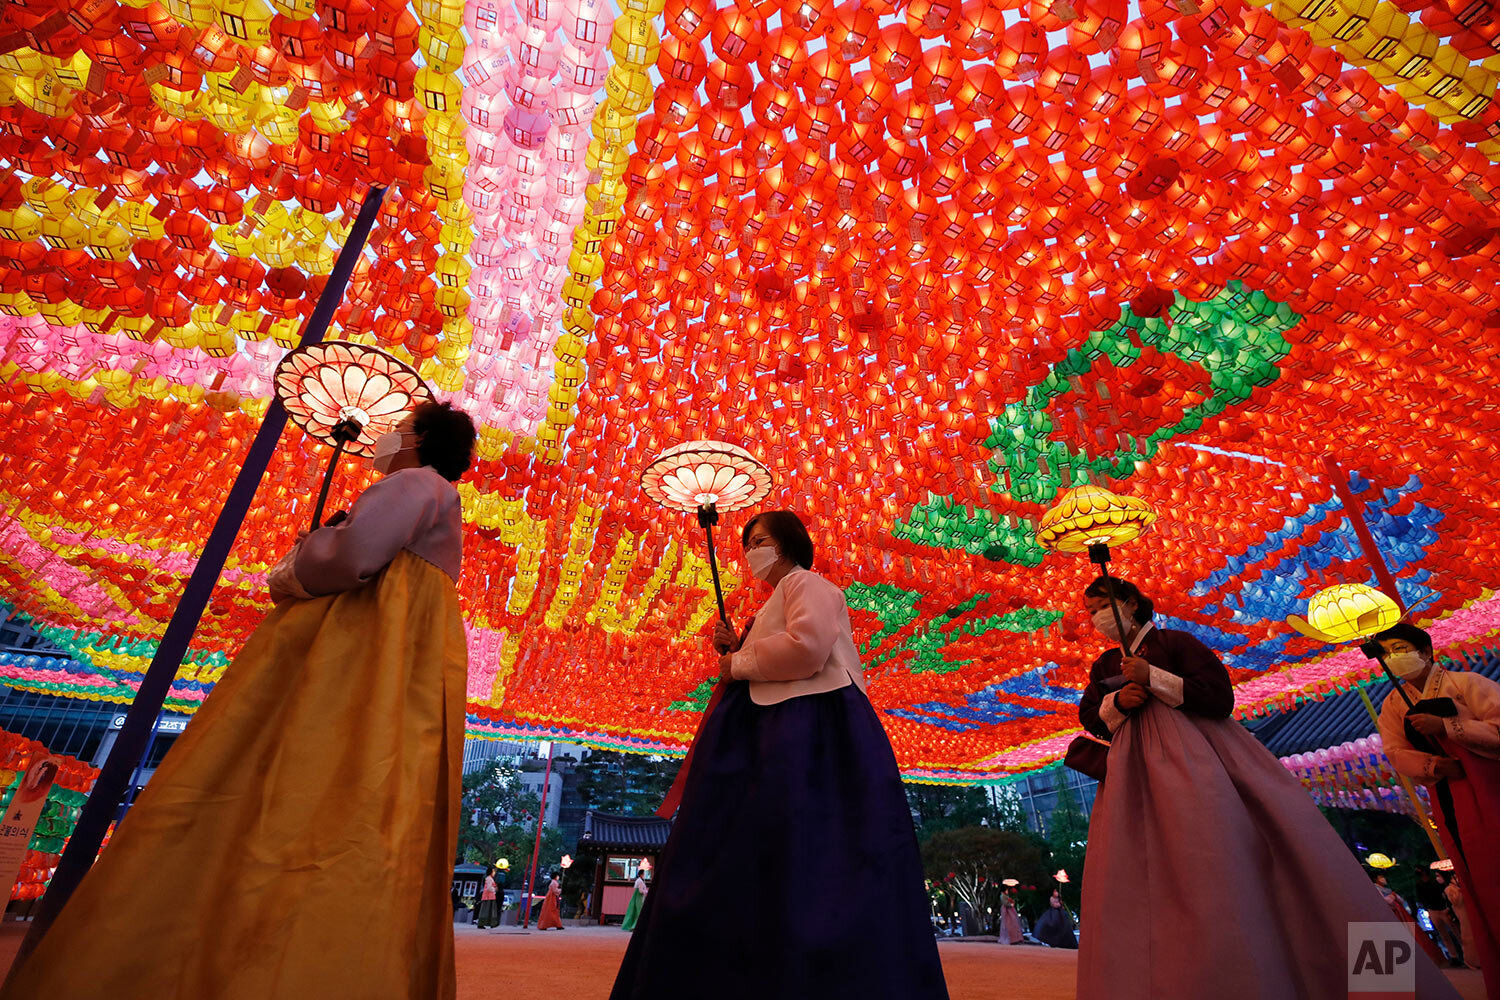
(580,962)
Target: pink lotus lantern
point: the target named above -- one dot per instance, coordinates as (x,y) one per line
(347,395)
(708,477)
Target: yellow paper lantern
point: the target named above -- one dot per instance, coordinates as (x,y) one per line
(1347,612)
(1092,515)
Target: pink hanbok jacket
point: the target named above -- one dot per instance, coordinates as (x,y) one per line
(801,642)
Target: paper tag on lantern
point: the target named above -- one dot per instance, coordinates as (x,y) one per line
(155,73)
(242,79)
(1479,193)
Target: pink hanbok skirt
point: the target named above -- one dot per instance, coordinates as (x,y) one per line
(1010,928)
(1211,873)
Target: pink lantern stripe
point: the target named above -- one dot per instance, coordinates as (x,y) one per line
(533,74)
(77,353)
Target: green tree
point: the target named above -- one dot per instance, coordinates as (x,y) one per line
(935,808)
(627,783)
(1398,837)
(1068,838)
(1007,808)
(971,864)
(498,820)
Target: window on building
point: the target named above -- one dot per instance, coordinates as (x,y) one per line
(622,869)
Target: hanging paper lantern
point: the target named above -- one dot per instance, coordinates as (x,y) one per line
(1347,612)
(1089,515)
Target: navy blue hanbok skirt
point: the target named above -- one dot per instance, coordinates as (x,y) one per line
(792,870)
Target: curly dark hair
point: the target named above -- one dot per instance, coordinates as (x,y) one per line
(445,438)
(790,534)
(1124,591)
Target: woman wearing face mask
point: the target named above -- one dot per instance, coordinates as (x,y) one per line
(1210,871)
(298,839)
(1450,740)
(792,773)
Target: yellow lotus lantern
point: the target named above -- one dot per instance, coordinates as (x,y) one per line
(1091,515)
(1378,860)
(1089,519)
(1347,612)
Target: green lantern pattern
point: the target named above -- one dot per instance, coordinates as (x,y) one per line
(1237,337)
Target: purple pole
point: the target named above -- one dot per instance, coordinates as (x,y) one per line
(99,811)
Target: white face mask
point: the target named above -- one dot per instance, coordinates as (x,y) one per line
(761,559)
(1104,622)
(387,447)
(1407,664)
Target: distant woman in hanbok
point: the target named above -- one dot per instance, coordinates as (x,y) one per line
(551,915)
(637,900)
(298,839)
(792,869)
(1450,741)
(488,914)
(1210,871)
(1054,928)
(1010,919)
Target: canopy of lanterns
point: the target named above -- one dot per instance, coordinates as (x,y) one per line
(1352,775)
(933,262)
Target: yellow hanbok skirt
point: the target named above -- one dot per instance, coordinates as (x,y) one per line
(298,840)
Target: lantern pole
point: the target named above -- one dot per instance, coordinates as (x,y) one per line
(536,851)
(1340,484)
(1370,647)
(1099,556)
(99,809)
(344,431)
(1423,820)
(708,516)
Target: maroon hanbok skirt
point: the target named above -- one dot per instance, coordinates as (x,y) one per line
(1211,873)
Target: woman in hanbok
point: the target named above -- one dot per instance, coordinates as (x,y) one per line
(551,915)
(1010,919)
(1450,740)
(637,900)
(792,868)
(1054,928)
(1210,871)
(298,839)
(489,909)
